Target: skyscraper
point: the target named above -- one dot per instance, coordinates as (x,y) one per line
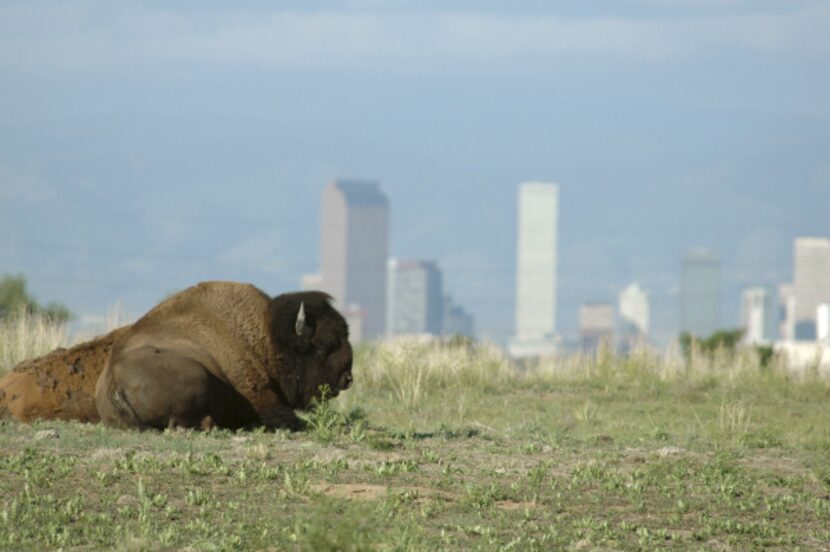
(596,325)
(536,260)
(634,310)
(457,321)
(700,293)
(634,316)
(759,314)
(786,312)
(414,299)
(354,249)
(823,323)
(812,283)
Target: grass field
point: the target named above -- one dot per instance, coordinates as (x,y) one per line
(453,447)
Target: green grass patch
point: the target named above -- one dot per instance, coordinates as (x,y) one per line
(453,447)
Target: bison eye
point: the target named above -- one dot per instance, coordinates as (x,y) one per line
(345,380)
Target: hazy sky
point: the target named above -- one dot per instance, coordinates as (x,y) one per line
(145,147)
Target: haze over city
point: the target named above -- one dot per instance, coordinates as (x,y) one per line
(147,147)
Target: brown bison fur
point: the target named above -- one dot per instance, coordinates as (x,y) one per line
(59,385)
(225,354)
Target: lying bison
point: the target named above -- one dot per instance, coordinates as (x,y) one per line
(224,354)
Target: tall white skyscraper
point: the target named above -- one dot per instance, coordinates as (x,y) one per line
(823,323)
(786,312)
(634,316)
(759,315)
(536,261)
(700,294)
(812,283)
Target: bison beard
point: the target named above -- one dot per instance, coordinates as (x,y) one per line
(224,354)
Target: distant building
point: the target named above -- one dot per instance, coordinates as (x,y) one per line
(355,317)
(596,325)
(536,263)
(414,298)
(700,293)
(786,312)
(354,248)
(457,321)
(823,323)
(633,308)
(759,315)
(812,283)
(311,282)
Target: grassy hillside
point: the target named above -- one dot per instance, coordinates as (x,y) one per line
(454,447)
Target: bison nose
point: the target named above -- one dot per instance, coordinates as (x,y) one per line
(348,381)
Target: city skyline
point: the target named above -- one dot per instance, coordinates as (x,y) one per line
(149,148)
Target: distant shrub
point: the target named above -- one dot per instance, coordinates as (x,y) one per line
(722,340)
(15,301)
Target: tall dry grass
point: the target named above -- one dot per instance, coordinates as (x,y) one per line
(412,370)
(27,336)
(24,336)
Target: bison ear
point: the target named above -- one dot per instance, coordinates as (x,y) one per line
(299,325)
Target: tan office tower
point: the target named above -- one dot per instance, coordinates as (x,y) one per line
(354,246)
(536,270)
(812,283)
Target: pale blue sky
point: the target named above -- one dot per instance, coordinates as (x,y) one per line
(145,147)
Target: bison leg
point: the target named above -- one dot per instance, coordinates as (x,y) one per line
(154,388)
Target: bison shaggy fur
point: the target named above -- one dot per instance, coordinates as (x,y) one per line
(222,354)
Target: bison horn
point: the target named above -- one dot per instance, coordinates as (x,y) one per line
(299,325)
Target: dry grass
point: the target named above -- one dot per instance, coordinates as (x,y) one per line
(24,337)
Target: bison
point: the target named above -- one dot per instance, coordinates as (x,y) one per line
(224,354)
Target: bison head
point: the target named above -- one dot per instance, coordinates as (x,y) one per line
(313,339)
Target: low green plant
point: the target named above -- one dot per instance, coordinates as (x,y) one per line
(323,421)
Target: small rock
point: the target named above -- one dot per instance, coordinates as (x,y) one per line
(47,434)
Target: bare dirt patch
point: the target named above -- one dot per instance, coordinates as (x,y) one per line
(511,505)
(365,491)
(352,491)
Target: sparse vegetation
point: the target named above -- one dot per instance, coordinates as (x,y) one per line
(449,446)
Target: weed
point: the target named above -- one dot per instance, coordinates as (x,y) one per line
(323,421)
